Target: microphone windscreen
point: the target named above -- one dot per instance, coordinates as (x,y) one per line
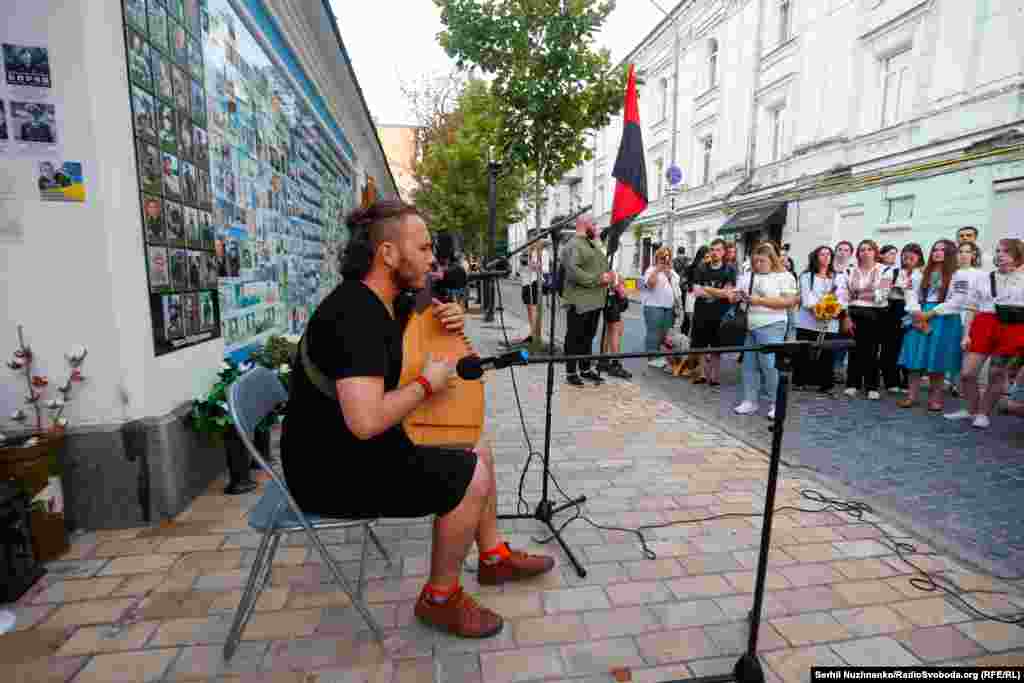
(469,368)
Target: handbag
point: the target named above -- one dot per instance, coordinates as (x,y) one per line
(1008,315)
(732,331)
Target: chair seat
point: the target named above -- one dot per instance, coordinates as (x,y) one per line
(261,516)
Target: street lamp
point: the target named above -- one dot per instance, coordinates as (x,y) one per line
(673,174)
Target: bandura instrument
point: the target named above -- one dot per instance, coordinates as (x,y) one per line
(454,417)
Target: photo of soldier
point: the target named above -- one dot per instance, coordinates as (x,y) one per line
(180,44)
(159,277)
(198,104)
(150,168)
(181,90)
(207,319)
(188,182)
(158,25)
(205,198)
(27,66)
(34,122)
(144,109)
(163,81)
(209,270)
(3,122)
(184,138)
(195,57)
(174,219)
(173,325)
(152,211)
(195,269)
(172,176)
(138,61)
(168,137)
(191,226)
(179,269)
(135,11)
(191,305)
(200,147)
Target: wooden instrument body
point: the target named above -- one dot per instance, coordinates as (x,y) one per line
(454,417)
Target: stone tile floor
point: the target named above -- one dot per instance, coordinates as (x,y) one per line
(155,604)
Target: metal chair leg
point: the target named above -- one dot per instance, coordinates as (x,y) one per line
(380,546)
(341,580)
(259,576)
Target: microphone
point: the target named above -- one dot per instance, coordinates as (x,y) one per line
(472,367)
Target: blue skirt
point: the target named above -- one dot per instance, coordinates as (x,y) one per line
(937,352)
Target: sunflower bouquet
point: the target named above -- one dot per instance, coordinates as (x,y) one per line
(825,311)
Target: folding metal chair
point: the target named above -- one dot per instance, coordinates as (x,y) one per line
(250,399)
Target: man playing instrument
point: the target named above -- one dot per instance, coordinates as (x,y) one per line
(364,465)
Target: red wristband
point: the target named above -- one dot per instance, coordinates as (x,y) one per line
(426,386)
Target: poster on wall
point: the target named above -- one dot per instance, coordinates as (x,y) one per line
(61,181)
(29,107)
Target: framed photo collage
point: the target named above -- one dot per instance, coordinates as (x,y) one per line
(164,42)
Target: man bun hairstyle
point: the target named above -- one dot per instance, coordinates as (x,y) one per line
(369,227)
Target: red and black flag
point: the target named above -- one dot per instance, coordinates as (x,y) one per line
(630,171)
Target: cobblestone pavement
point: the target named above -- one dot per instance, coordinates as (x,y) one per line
(155,603)
(957,486)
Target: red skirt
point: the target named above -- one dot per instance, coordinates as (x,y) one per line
(990,337)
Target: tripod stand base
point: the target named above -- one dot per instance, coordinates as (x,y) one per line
(544,513)
(747,670)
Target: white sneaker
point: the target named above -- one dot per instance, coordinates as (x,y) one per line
(771,412)
(851,392)
(656,363)
(981,421)
(873,395)
(962,414)
(745,408)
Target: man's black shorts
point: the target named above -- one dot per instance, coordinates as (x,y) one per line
(531,293)
(423,481)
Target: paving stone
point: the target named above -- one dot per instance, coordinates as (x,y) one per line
(521,665)
(129,667)
(695,613)
(600,656)
(733,639)
(872,651)
(871,621)
(808,629)
(691,587)
(668,647)
(867,592)
(638,593)
(795,665)
(105,611)
(620,621)
(206,662)
(994,636)
(575,599)
(810,574)
(810,599)
(936,644)
(929,612)
(548,629)
(107,638)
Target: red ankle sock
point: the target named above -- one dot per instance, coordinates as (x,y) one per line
(496,554)
(441,594)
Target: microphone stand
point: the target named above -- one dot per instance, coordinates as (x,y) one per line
(546,509)
(747,668)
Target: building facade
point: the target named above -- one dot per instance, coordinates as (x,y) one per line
(814,121)
(402,149)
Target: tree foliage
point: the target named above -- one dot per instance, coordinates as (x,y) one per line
(550,84)
(452,171)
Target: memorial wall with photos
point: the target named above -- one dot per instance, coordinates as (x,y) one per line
(243,192)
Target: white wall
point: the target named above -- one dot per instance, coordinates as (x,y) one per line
(77,273)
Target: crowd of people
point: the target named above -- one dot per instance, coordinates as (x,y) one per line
(921,324)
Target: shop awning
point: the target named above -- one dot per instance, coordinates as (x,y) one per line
(749,220)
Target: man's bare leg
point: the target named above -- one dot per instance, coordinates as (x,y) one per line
(487,532)
(455,531)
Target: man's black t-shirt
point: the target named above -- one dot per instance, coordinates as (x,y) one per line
(707,276)
(351,334)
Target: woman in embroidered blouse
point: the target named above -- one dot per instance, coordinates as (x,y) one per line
(906,275)
(818,280)
(986,337)
(932,345)
(868,300)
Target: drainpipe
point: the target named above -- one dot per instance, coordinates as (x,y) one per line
(751,162)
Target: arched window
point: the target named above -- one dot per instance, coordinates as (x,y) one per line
(712,63)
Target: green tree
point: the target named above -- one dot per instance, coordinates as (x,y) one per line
(452,171)
(550,84)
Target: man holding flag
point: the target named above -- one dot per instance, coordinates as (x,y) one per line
(630,201)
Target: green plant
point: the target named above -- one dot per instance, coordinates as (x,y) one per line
(209,413)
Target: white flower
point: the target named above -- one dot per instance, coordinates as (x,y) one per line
(18,415)
(284,369)
(224,366)
(2,438)
(34,441)
(77,354)
(246,366)
(54,404)
(292,338)
(61,422)
(222,405)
